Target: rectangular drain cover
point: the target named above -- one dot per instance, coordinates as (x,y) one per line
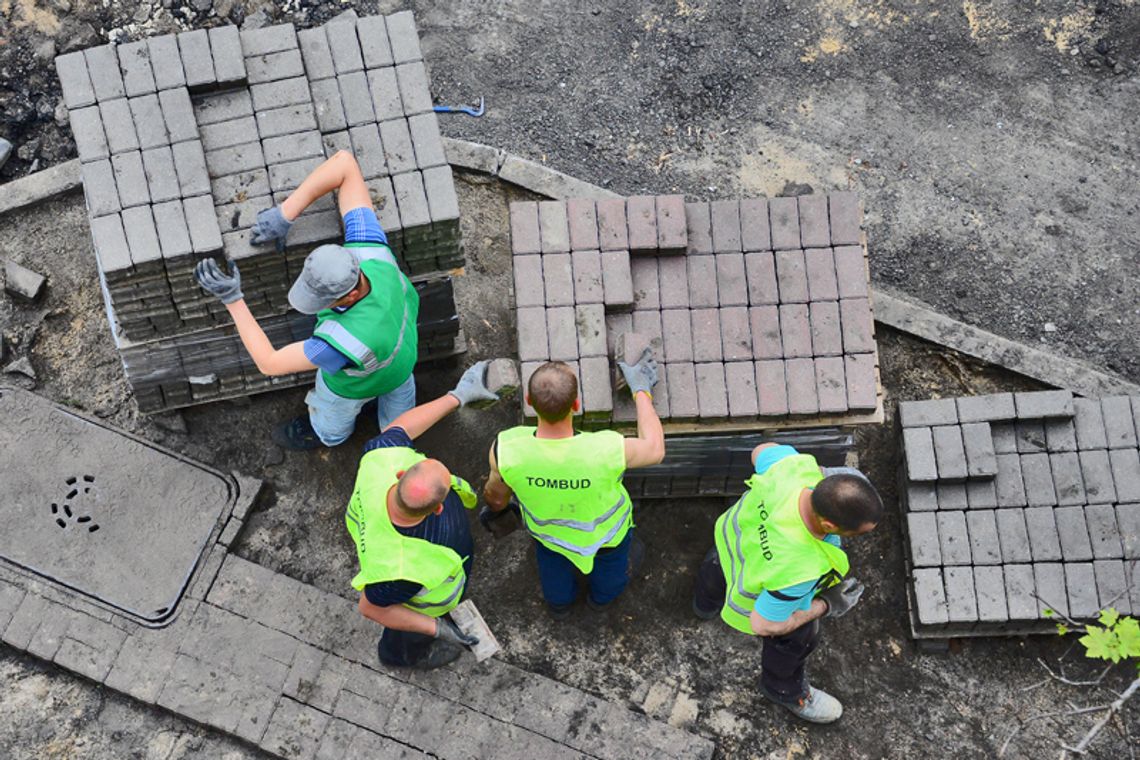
(101,512)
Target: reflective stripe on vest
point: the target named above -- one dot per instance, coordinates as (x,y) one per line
(585,527)
(424,591)
(735,557)
(361,352)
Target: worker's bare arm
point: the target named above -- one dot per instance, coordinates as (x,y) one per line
(496,493)
(269,361)
(761,626)
(397,617)
(340,173)
(417,421)
(648,448)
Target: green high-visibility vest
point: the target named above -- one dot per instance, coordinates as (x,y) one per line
(384,553)
(569,489)
(378,334)
(763,542)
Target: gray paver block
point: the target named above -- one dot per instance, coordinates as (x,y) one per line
(205,236)
(930,597)
(760,267)
(1005,437)
(87,127)
(590,321)
(921,497)
(740,384)
(858,325)
(1060,435)
(791,276)
(134,61)
(771,386)
(1118,425)
(103,68)
(985,548)
(815,232)
(1009,481)
(785,223)
(141,667)
(287,120)
(949,452)
(830,384)
(147,113)
(583,220)
(75,81)
(294,730)
(597,393)
(1044,540)
(327,105)
(373,34)
(317,55)
(1096,472)
(173,235)
(385,92)
(292,91)
(712,393)
(1126,473)
(225,134)
(989,583)
(1013,536)
(961,596)
(1067,478)
(1019,589)
(166,62)
(1080,581)
(110,244)
(755,234)
(50,633)
(286,148)
(702,282)
(404,37)
(190,165)
(426,140)
(731,283)
(617,280)
(677,335)
(795,330)
(222,106)
(862,390)
(197,62)
(415,90)
(671,234)
(987,408)
(1049,578)
(397,145)
(1089,422)
(736,334)
(1073,533)
(439,185)
(554,233)
(411,198)
(1031,437)
(345,46)
(612,231)
(765,327)
(1041,404)
(980,457)
(562,332)
(1104,534)
(802,396)
(232,189)
(238,158)
(142,237)
(706,335)
(268,39)
(928,412)
(918,443)
(846,214)
(289,176)
(1038,479)
(683,404)
(180,116)
(826,337)
(270,67)
(99,188)
(725,219)
(952,496)
(953,538)
(1112,586)
(922,529)
(698,225)
(225,47)
(119,125)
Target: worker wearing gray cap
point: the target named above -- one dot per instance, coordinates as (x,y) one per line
(364,345)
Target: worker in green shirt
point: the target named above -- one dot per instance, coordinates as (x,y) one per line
(778,567)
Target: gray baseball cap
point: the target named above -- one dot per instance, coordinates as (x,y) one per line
(329,272)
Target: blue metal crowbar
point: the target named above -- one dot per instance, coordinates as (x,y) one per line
(469,110)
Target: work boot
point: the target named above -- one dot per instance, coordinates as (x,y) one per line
(817,707)
(636,556)
(703,614)
(559,612)
(439,653)
(296,434)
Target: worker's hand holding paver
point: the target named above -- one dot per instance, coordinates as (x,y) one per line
(445,630)
(271,225)
(226,287)
(841,597)
(472,387)
(641,376)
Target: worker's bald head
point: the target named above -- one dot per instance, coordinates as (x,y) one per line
(849,502)
(552,391)
(423,487)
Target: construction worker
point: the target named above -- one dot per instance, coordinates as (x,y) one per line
(776,568)
(569,485)
(365,341)
(412,538)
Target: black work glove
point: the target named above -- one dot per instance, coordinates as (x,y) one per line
(449,631)
(842,597)
(501,523)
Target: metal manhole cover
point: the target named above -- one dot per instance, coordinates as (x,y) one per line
(103,513)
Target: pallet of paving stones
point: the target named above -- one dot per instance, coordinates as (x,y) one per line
(758,309)
(1019,503)
(184,138)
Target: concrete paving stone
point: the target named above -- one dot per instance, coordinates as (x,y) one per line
(1031,437)
(404,37)
(166,62)
(725,219)
(647,326)
(921,497)
(286,148)
(677,335)
(208,109)
(979,446)
(952,496)
(1125,473)
(201,694)
(295,91)
(1004,437)
(1074,534)
(338,141)
(673,276)
(922,530)
(731,283)
(426,140)
(182,119)
(141,667)
(439,185)
(197,62)
(706,335)
(103,68)
(254,184)
(415,90)
(50,633)
(815,231)
(1104,535)
(671,232)
(553,229)
(1096,472)
(90,647)
(118,125)
(795,330)
(173,234)
(712,394)
(583,220)
(612,229)
(1009,481)
(258,653)
(87,127)
(411,198)
(617,281)
(398,145)
(147,114)
(643,272)
(1019,590)
(683,404)
(858,325)
(830,384)
(205,237)
(317,55)
(820,266)
(1013,536)
(562,331)
(268,39)
(771,387)
(294,730)
(11,597)
(597,391)
(989,583)
(985,548)
(1136,413)
(698,225)
(385,93)
(736,335)
(71,69)
(1080,582)
(617,324)
(1049,579)
(846,214)
(134,62)
(702,282)
(315,678)
(99,188)
(269,67)
(1118,425)
(802,396)
(110,241)
(851,271)
(981,494)
(558,276)
(764,322)
(1128,520)
(590,321)
(953,538)
(524,228)
(1067,480)
(226,134)
(740,385)
(785,223)
(1112,586)
(791,276)
(1060,435)
(190,165)
(1044,540)
(26,620)
(641,223)
(1042,404)
(1089,422)
(961,595)
(826,336)
(930,596)
(345,46)
(225,47)
(928,412)
(327,105)
(289,176)
(528,281)
(862,392)
(1038,479)
(240,158)
(755,232)
(372,31)
(987,408)
(918,445)
(760,267)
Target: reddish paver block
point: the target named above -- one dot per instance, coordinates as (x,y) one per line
(597,393)
(1104,534)
(731,283)
(918,447)
(755,233)
(1067,478)
(562,333)
(648,323)
(795,330)
(590,321)
(1042,404)
(820,266)
(989,583)
(830,384)
(612,233)
(922,530)
(921,497)
(740,384)
(617,324)
(979,443)
(725,216)
(698,225)
(587,267)
(1009,481)
(826,336)
(677,333)
(851,271)
(673,274)
(1013,536)
(1125,473)
(1096,472)
(981,525)
(629,347)
(785,223)
(846,216)
(702,281)
(802,396)
(760,267)
(772,388)
(712,395)
(791,275)
(646,286)
(671,232)
(930,597)
(527,370)
(1118,426)
(862,389)
(765,327)
(525,236)
(641,220)
(1089,422)
(554,231)
(533,342)
(558,276)
(736,334)
(706,335)
(1038,480)
(950,452)
(617,280)
(858,325)
(988,408)
(815,232)
(582,217)
(683,403)
(1044,541)
(961,596)
(1019,589)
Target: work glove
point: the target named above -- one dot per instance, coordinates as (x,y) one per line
(641,376)
(271,225)
(226,287)
(472,385)
(449,631)
(842,597)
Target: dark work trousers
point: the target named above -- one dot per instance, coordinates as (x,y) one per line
(403,648)
(784,659)
(559,579)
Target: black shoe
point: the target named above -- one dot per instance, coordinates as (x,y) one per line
(440,653)
(296,434)
(703,614)
(636,556)
(595,606)
(559,611)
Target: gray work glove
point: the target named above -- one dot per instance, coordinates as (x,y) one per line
(472,386)
(227,287)
(842,597)
(271,225)
(641,376)
(449,631)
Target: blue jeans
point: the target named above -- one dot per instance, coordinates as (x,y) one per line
(333,417)
(608,579)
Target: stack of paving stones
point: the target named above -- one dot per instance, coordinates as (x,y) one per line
(758,309)
(1016,504)
(184,138)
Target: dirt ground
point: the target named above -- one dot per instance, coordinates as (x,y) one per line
(647,652)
